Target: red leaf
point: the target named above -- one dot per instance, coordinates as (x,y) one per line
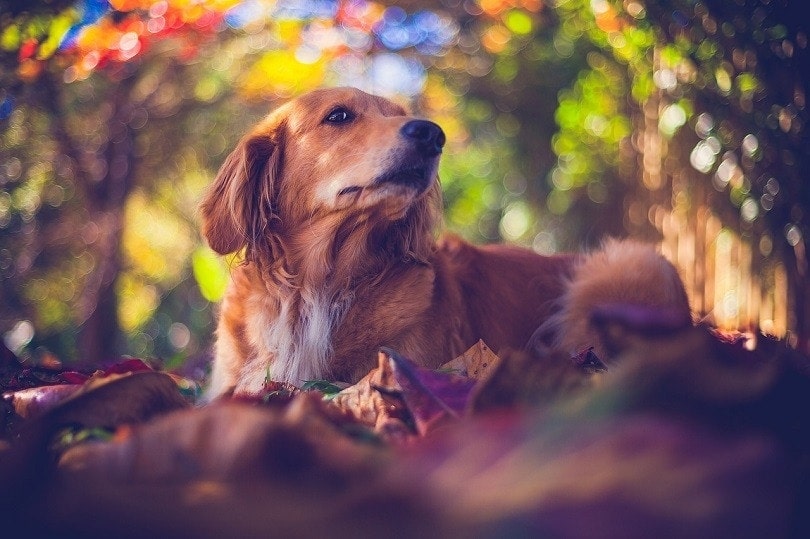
(128,365)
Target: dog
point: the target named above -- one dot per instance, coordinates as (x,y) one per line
(334,200)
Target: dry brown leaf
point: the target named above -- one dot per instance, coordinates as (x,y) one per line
(375,401)
(478,363)
(129,398)
(103,400)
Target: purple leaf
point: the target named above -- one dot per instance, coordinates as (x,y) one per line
(430,396)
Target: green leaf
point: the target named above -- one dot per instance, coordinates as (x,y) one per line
(329,389)
(73,435)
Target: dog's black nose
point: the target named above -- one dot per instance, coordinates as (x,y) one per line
(428,137)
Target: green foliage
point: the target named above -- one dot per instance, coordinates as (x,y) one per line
(593,121)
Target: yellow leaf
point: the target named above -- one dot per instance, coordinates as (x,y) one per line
(478,362)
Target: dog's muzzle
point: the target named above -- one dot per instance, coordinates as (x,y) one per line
(413,165)
(427,137)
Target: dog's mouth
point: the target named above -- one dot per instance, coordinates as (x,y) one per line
(409,171)
(413,178)
(406,176)
(417,178)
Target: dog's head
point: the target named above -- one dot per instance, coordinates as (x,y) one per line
(325,158)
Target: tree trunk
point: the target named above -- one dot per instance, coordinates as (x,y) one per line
(100,332)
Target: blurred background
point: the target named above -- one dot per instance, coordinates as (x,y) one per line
(680,121)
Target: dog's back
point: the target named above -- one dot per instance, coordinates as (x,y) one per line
(507,291)
(512,296)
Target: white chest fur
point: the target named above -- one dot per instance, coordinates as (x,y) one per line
(295,346)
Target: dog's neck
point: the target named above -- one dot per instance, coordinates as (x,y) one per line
(333,257)
(322,274)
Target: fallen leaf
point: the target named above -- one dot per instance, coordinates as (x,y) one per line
(326,388)
(476,363)
(35,401)
(376,401)
(432,397)
(117,399)
(399,399)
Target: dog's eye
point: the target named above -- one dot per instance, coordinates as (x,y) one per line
(339,116)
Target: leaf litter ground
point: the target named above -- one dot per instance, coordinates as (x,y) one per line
(688,433)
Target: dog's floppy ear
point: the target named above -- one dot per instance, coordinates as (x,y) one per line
(239,207)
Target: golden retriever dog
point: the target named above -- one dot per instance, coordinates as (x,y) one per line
(335,200)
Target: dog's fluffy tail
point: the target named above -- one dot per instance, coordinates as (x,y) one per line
(621,272)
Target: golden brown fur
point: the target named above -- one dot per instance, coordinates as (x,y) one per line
(337,219)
